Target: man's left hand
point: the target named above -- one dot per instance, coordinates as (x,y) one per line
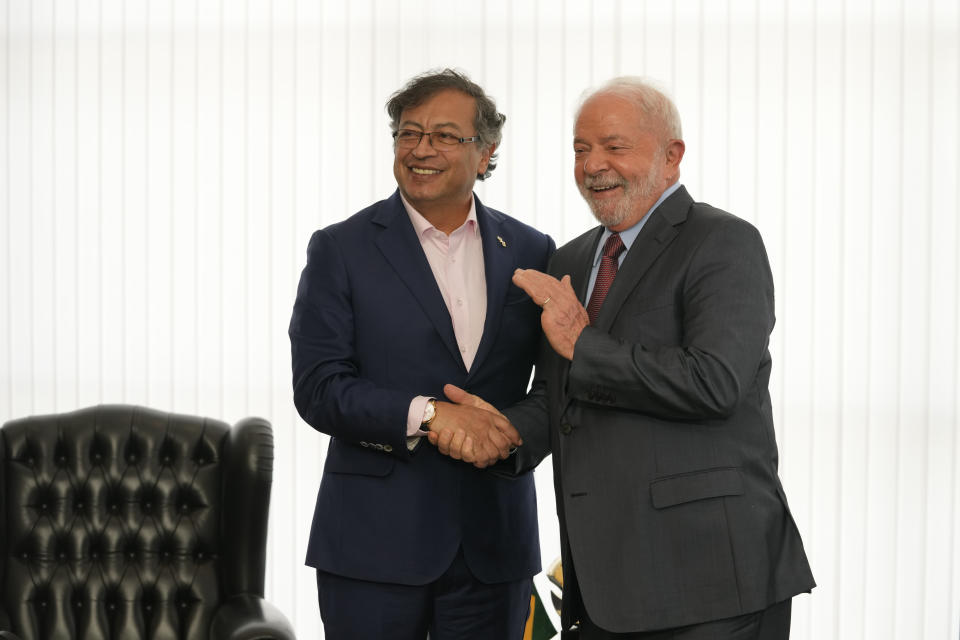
(563,317)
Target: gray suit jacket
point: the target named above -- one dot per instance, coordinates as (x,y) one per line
(664,453)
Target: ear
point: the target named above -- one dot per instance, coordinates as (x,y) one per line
(485,159)
(673,154)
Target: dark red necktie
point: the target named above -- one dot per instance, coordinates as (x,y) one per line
(608,271)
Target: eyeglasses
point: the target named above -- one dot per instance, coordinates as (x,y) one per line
(410,138)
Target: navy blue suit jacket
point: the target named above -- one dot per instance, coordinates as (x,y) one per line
(370,331)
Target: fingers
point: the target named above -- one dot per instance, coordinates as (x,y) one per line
(499,443)
(537,285)
(506,430)
(458,445)
(442,440)
(474,432)
(457,395)
(579,310)
(546,291)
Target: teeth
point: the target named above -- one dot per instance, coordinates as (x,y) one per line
(424,172)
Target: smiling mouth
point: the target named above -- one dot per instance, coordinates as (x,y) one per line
(601,189)
(424,172)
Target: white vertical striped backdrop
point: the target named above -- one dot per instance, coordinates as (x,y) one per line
(163,162)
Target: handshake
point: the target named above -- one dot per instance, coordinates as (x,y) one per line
(470,429)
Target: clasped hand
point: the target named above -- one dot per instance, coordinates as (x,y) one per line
(470,429)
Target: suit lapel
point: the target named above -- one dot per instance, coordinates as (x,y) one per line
(398,243)
(656,235)
(498,262)
(581,263)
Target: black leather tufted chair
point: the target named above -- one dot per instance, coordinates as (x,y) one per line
(123,522)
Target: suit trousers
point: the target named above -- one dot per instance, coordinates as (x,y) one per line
(772,623)
(456,606)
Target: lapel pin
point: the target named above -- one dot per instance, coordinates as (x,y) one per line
(501,241)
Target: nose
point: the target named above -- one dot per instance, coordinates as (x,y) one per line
(594,163)
(424,148)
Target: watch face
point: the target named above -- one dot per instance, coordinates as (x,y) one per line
(428,415)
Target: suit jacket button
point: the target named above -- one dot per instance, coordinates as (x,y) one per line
(566,428)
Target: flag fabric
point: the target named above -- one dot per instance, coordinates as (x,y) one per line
(538,626)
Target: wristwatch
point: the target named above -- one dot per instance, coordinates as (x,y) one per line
(429,413)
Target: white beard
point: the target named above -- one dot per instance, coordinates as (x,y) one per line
(612,214)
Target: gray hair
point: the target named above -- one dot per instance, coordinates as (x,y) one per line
(488,121)
(660,111)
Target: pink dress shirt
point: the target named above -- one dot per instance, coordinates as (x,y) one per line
(457,264)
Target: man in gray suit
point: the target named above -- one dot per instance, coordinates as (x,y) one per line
(652,396)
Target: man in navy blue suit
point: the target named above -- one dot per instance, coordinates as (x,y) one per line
(408,294)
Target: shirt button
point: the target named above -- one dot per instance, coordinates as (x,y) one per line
(459,302)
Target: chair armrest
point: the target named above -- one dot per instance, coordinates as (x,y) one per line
(5,622)
(249,617)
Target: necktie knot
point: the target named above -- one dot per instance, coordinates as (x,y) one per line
(613,247)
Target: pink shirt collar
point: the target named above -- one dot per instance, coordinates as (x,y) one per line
(421,225)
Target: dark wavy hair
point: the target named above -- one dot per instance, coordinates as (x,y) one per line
(488,121)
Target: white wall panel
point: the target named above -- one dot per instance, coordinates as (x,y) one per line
(6,266)
(165,161)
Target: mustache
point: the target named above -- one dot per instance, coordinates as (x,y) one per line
(602,182)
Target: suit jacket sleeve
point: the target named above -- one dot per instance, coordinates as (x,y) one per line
(329,390)
(531,417)
(724,299)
